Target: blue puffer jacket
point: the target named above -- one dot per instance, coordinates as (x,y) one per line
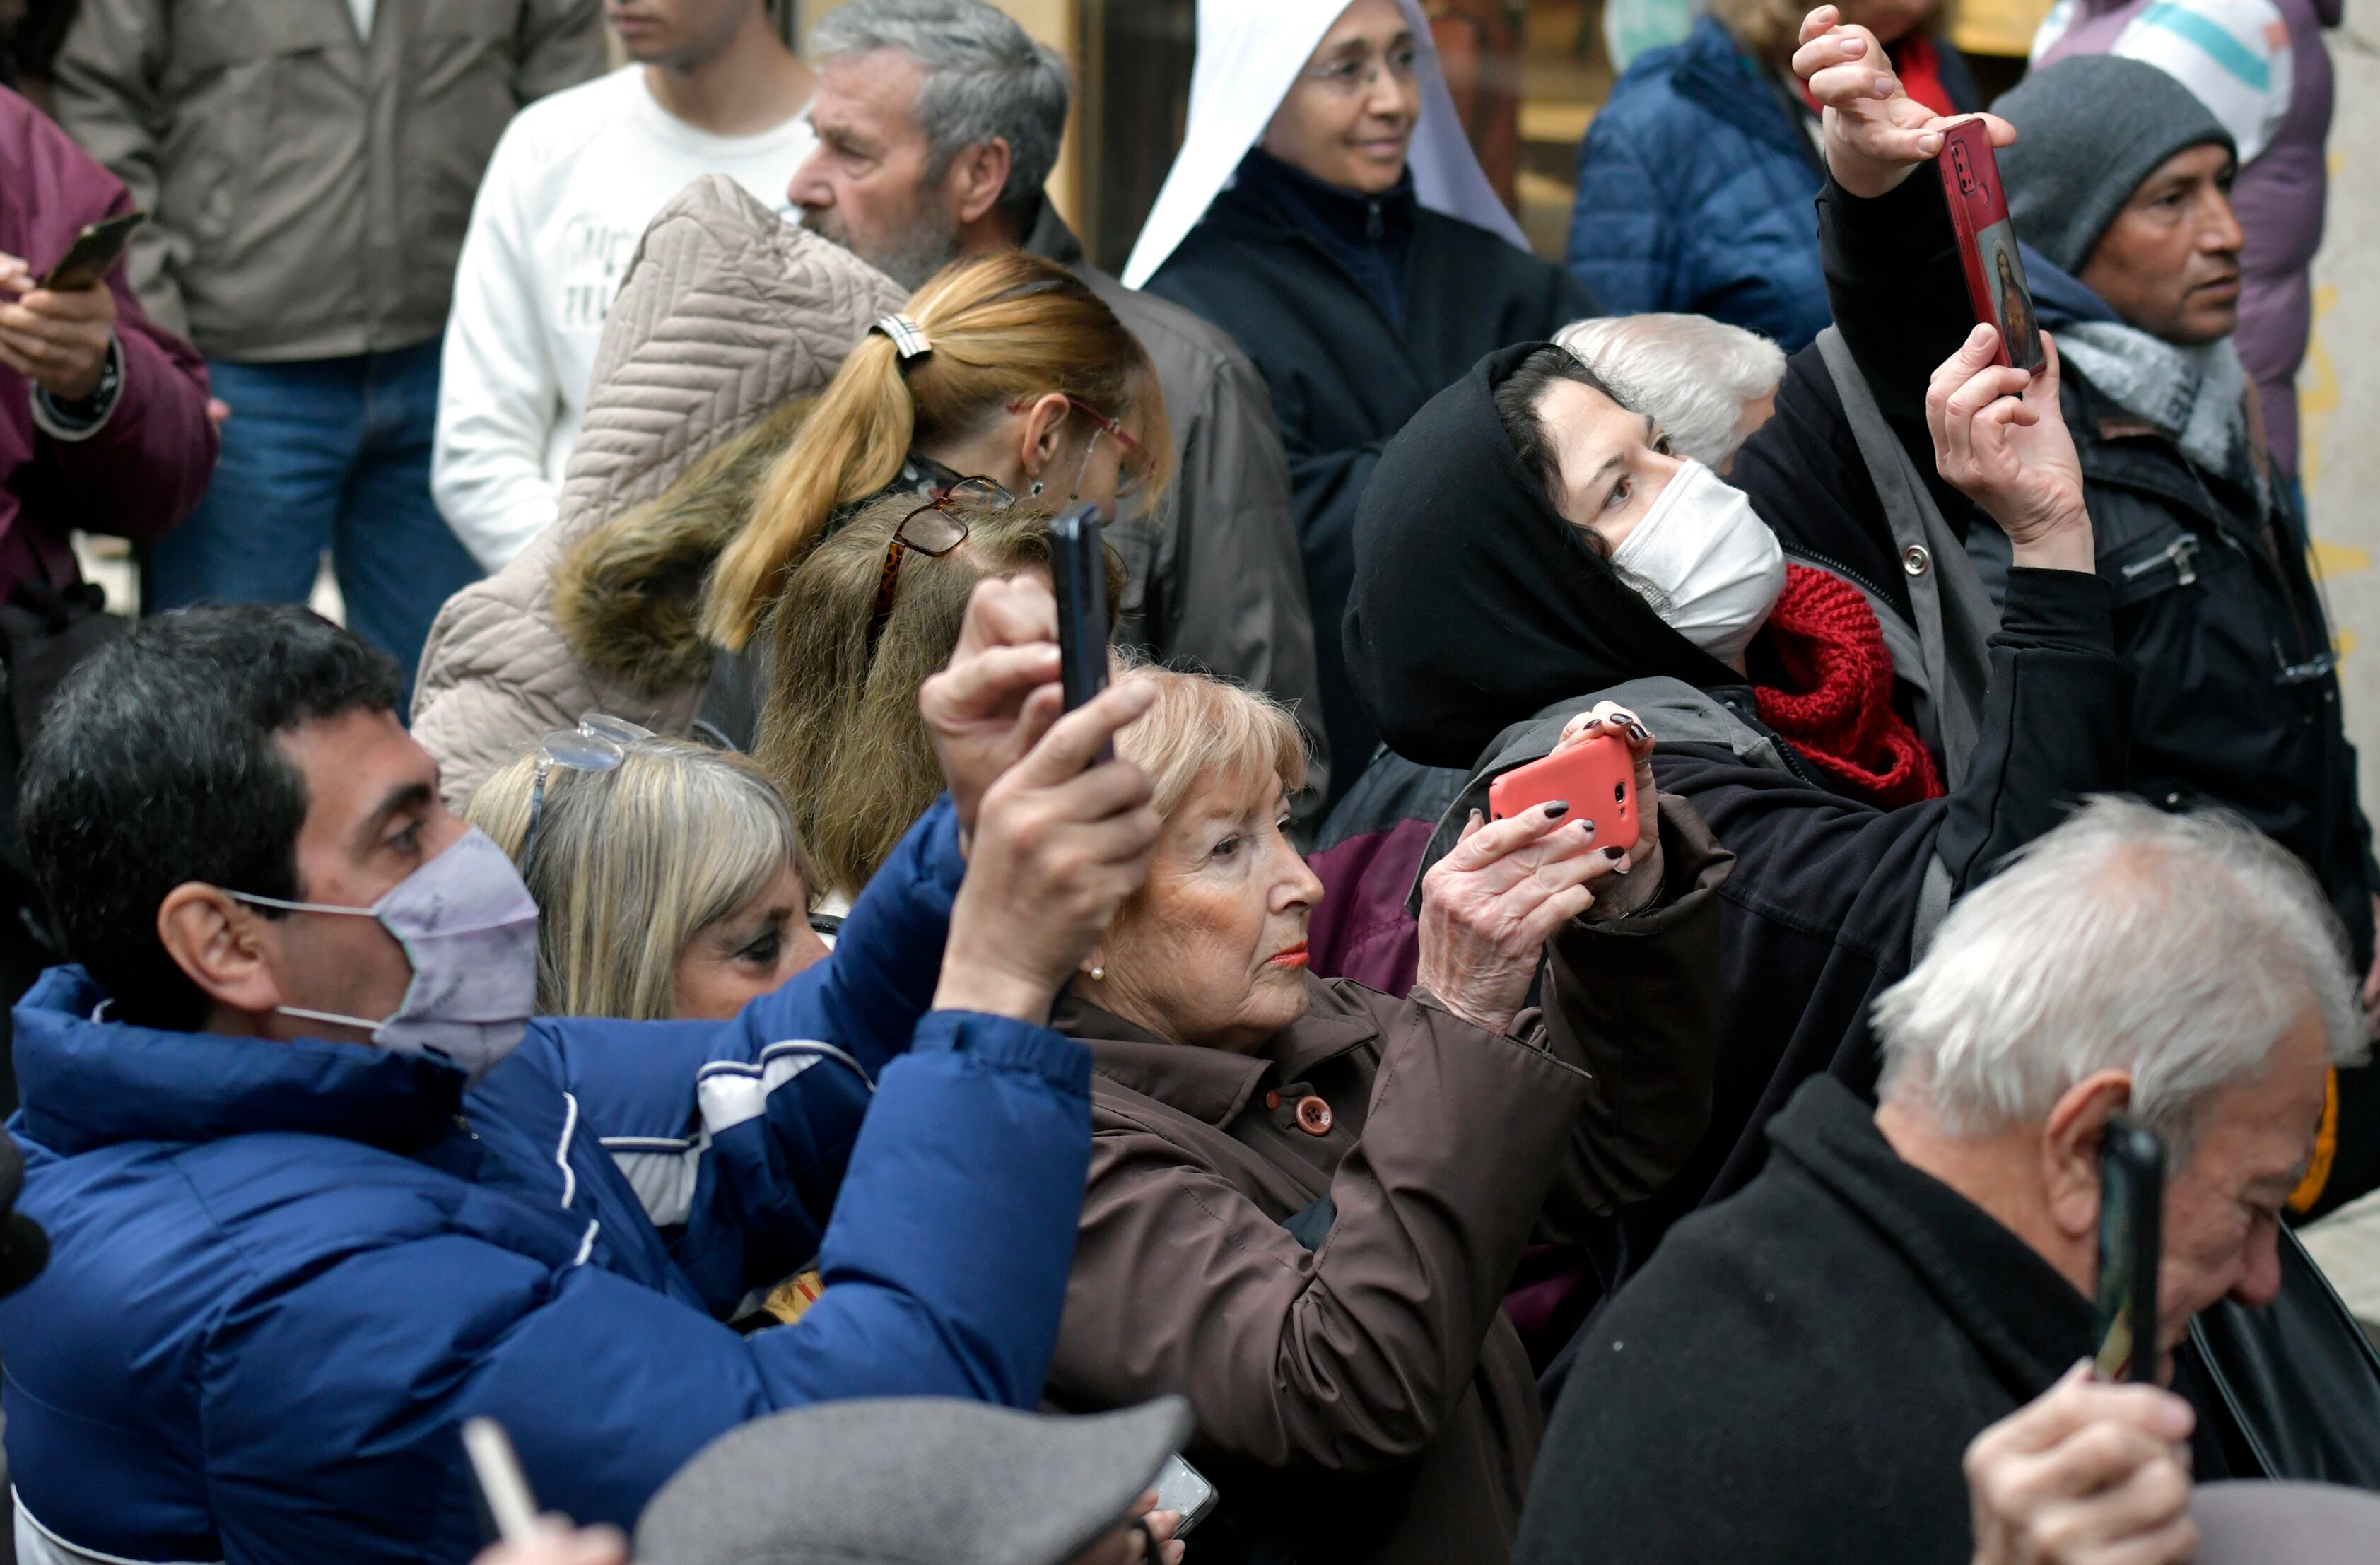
(282,1274)
(1696,192)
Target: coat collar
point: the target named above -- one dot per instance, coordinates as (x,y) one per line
(2026,1319)
(89,1082)
(1051,239)
(1211,1085)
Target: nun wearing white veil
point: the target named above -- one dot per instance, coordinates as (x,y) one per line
(1327,211)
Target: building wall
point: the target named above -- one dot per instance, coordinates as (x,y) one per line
(2338,390)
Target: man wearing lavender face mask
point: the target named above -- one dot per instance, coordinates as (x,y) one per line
(299,1146)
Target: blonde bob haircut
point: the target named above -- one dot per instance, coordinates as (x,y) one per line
(633,863)
(1004,328)
(1203,727)
(839,730)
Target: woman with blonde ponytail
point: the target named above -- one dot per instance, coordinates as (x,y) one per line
(1003,366)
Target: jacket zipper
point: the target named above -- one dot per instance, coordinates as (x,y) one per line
(2179,554)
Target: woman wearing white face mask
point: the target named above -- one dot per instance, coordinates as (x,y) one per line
(1529,551)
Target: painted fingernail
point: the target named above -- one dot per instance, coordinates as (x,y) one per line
(1475,817)
(1557,809)
(1586,826)
(1615,853)
(1639,733)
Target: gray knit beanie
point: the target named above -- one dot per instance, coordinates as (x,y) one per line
(2090,129)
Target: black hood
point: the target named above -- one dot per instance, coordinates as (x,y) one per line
(1475,605)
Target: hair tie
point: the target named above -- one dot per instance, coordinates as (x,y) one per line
(908,338)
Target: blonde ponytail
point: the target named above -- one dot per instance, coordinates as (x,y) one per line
(851,445)
(1001,327)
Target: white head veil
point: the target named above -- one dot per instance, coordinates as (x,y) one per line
(1249,55)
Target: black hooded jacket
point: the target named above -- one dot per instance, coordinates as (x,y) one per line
(1303,275)
(2211,600)
(1476,606)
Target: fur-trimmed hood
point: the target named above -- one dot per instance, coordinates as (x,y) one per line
(728,318)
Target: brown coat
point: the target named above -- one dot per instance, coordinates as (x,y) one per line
(1330,1299)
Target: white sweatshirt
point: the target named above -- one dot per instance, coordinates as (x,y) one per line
(568,192)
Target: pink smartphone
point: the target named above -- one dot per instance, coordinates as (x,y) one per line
(1996,287)
(1599,778)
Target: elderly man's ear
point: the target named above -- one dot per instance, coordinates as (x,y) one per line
(2070,1149)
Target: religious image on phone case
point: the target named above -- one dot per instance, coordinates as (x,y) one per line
(1995,286)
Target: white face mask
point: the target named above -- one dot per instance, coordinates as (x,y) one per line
(1706,562)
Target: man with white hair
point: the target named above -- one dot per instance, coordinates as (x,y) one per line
(1708,384)
(1899,1278)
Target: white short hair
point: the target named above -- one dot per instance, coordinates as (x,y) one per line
(1692,374)
(2178,948)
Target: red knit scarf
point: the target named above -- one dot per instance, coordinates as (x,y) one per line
(1837,709)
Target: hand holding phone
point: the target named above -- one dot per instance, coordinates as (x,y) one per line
(2132,1211)
(1597,778)
(1186,1491)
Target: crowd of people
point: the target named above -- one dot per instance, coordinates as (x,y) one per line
(677,975)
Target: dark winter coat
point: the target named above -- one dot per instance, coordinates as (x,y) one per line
(2212,598)
(1819,916)
(1695,186)
(1324,1286)
(1345,373)
(1795,1377)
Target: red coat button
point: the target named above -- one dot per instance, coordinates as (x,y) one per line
(1314,1116)
(1272,1099)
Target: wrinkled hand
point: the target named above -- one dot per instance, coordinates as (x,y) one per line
(559,1546)
(55,339)
(1125,1545)
(2086,1474)
(1491,904)
(1876,132)
(2000,440)
(999,694)
(1058,848)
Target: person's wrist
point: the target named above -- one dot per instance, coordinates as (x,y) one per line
(77,391)
(2064,545)
(993,990)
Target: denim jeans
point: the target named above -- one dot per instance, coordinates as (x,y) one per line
(326,454)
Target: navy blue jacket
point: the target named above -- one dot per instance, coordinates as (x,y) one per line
(282,1274)
(1697,190)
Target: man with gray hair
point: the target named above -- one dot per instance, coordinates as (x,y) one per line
(1902,1277)
(938,123)
(1707,383)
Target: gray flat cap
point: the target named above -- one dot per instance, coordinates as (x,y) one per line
(909,1481)
(2274,1524)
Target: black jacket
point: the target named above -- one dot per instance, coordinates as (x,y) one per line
(1476,607)
(2210,602)
(1344,375)
(1797,1374)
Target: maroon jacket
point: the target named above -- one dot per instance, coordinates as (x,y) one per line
(140,472)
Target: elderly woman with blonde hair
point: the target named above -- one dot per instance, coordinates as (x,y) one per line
(669,879)
(1307,1198)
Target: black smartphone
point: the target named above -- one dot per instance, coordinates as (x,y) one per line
(1078,573)
(93,252)
(1182,1488)
(508,1508)
(2131,1210)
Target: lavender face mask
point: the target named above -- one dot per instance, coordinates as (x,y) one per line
(469,926)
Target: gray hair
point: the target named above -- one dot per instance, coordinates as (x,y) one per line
(984,79)
(1692,374)
(2177,948)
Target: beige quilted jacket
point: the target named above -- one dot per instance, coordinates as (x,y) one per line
(725,313)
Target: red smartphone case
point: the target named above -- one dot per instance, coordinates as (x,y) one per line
(1996,284)
(1599,778)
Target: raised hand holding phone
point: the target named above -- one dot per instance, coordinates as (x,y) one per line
(1079,571)
(1875,131)
(2000,439)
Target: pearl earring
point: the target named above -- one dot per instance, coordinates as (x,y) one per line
(1098,974)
